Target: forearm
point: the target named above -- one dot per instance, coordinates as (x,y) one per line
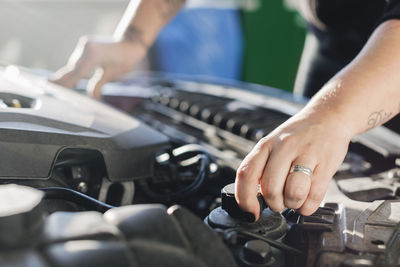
(366,93)
(143,19)
(363,95)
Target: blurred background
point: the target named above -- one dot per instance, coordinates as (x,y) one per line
(257,41)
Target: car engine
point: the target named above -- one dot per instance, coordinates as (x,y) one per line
(148,182)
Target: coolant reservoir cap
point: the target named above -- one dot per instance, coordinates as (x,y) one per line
(21,213)
(230,205)
(229,215)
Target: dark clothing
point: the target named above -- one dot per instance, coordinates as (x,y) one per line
(392,11)
(341,28)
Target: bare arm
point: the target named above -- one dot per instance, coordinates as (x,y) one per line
(144,19)
(111,58)
(363,95)
(367,91)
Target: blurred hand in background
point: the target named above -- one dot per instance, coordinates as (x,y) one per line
(104,59)
(107,59)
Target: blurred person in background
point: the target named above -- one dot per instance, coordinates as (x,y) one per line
(351,58)
(204,38)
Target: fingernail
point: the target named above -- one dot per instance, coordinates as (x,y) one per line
(249,217)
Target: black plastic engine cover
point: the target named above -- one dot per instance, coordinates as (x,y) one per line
(39,120)
(144,235)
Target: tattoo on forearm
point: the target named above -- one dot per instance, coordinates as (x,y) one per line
(170,7)
(133,34)
(378,117)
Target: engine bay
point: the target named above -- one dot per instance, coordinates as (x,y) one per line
(84,184)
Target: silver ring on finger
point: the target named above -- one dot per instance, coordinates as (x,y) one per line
(301,168)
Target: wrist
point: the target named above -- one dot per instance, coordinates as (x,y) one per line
(135,36)
(331,121)
(131,53)
(334,106)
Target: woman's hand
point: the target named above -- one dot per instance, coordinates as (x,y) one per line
(363,95)
(104,59)
(309,140)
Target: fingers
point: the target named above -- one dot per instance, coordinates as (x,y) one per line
(65,77)
(248,176)
(274,177)
(298,184)
(270,169)
(80,65)
(301,142)
(319,185)
(100,77)
(281,188)
(106,59)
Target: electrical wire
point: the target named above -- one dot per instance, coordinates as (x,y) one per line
(204,162)
(75,197)
(191,150)
(270,241)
